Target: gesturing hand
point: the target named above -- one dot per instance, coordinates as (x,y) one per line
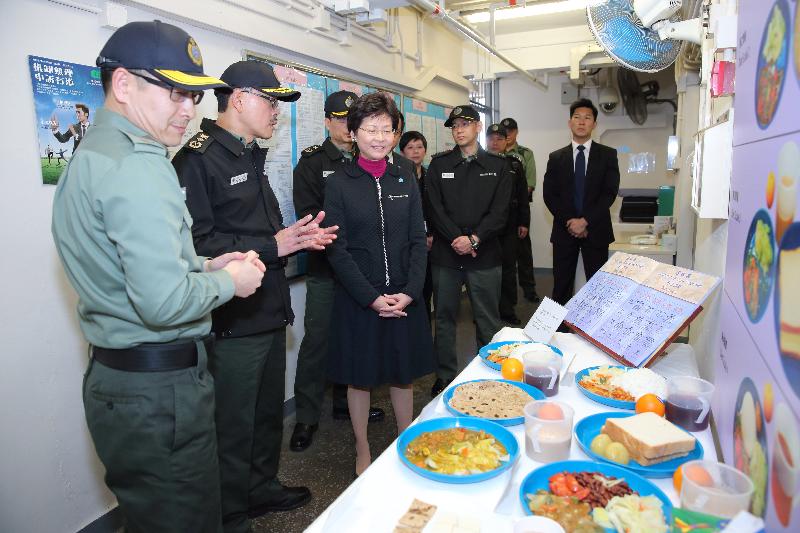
(305,234)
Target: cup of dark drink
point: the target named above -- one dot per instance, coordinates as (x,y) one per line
(542,369)
(688,402)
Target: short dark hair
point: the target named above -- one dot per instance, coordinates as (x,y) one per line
(82,107)
(223,97)
(105,78)
(402,124)
(370,105)
(409,136)
(583,102)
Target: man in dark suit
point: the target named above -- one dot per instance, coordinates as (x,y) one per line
(76,131)
(580,184)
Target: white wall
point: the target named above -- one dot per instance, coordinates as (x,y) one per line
(542,120)
(51,480)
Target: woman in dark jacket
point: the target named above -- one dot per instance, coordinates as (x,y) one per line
(378,332)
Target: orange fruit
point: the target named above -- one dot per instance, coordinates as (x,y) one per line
(770,189)
(650,403)
(677,479)
(512,369)
(769,401)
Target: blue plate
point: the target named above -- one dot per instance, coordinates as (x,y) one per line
(484,352)
(497,431)
(539,479)
(771,76)
(535,394)
(765,277)
(588,428)
(611,402)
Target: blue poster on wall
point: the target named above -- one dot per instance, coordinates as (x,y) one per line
(65,97)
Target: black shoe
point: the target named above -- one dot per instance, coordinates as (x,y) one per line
(511,319)
(286,499)
(302,436)
(376,414)
(532,297)
(438,386)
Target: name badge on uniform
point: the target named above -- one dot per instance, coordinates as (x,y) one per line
(488,174)
(241,178)
(326,173)
(448,175)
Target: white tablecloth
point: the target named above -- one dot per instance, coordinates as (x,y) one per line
(380,496)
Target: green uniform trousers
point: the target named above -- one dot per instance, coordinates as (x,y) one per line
(312,359)
(154,433)
(525,266)
(483,289)
(249,374)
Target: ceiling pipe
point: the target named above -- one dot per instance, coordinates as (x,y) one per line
(434,9)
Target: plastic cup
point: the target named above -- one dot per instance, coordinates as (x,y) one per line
(688,402)
(715,488)
(548,430)
(542,368)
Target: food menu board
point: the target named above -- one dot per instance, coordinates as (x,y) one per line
(635,306)
(428,119)
(757,376)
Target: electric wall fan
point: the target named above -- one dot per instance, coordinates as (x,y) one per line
(642,35)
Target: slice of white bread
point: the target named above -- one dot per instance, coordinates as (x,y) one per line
(649,438)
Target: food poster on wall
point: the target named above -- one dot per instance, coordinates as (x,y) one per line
(758,370)
(66,96)
(756,424)
(767,70)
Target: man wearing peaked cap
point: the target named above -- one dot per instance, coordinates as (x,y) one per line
(525,251)
(519,217)
(231,202)
(316,164)
(468,193)
(145,297)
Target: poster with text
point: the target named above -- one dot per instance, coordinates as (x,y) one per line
(757,377)
(65,96)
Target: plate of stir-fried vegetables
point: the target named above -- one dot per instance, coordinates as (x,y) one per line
(457,449)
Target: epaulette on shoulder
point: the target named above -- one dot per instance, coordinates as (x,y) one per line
(311,150)
(515,156)
(440,154)
(200,142)
(500,156)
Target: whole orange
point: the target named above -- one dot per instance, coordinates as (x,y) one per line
(677,479)
(650,403)
(512,369)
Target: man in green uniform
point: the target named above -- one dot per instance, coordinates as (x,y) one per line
(468,194)
(524,252)
(123,234)
(316,164)
(519,218)
(222,169)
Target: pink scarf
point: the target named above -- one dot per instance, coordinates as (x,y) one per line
(375,168)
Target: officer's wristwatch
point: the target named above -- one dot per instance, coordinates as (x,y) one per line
(473,243)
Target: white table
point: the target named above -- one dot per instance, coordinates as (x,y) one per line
(375,501)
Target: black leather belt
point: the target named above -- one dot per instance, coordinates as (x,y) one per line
(152,357)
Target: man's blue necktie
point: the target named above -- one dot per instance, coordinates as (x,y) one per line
(580,178)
